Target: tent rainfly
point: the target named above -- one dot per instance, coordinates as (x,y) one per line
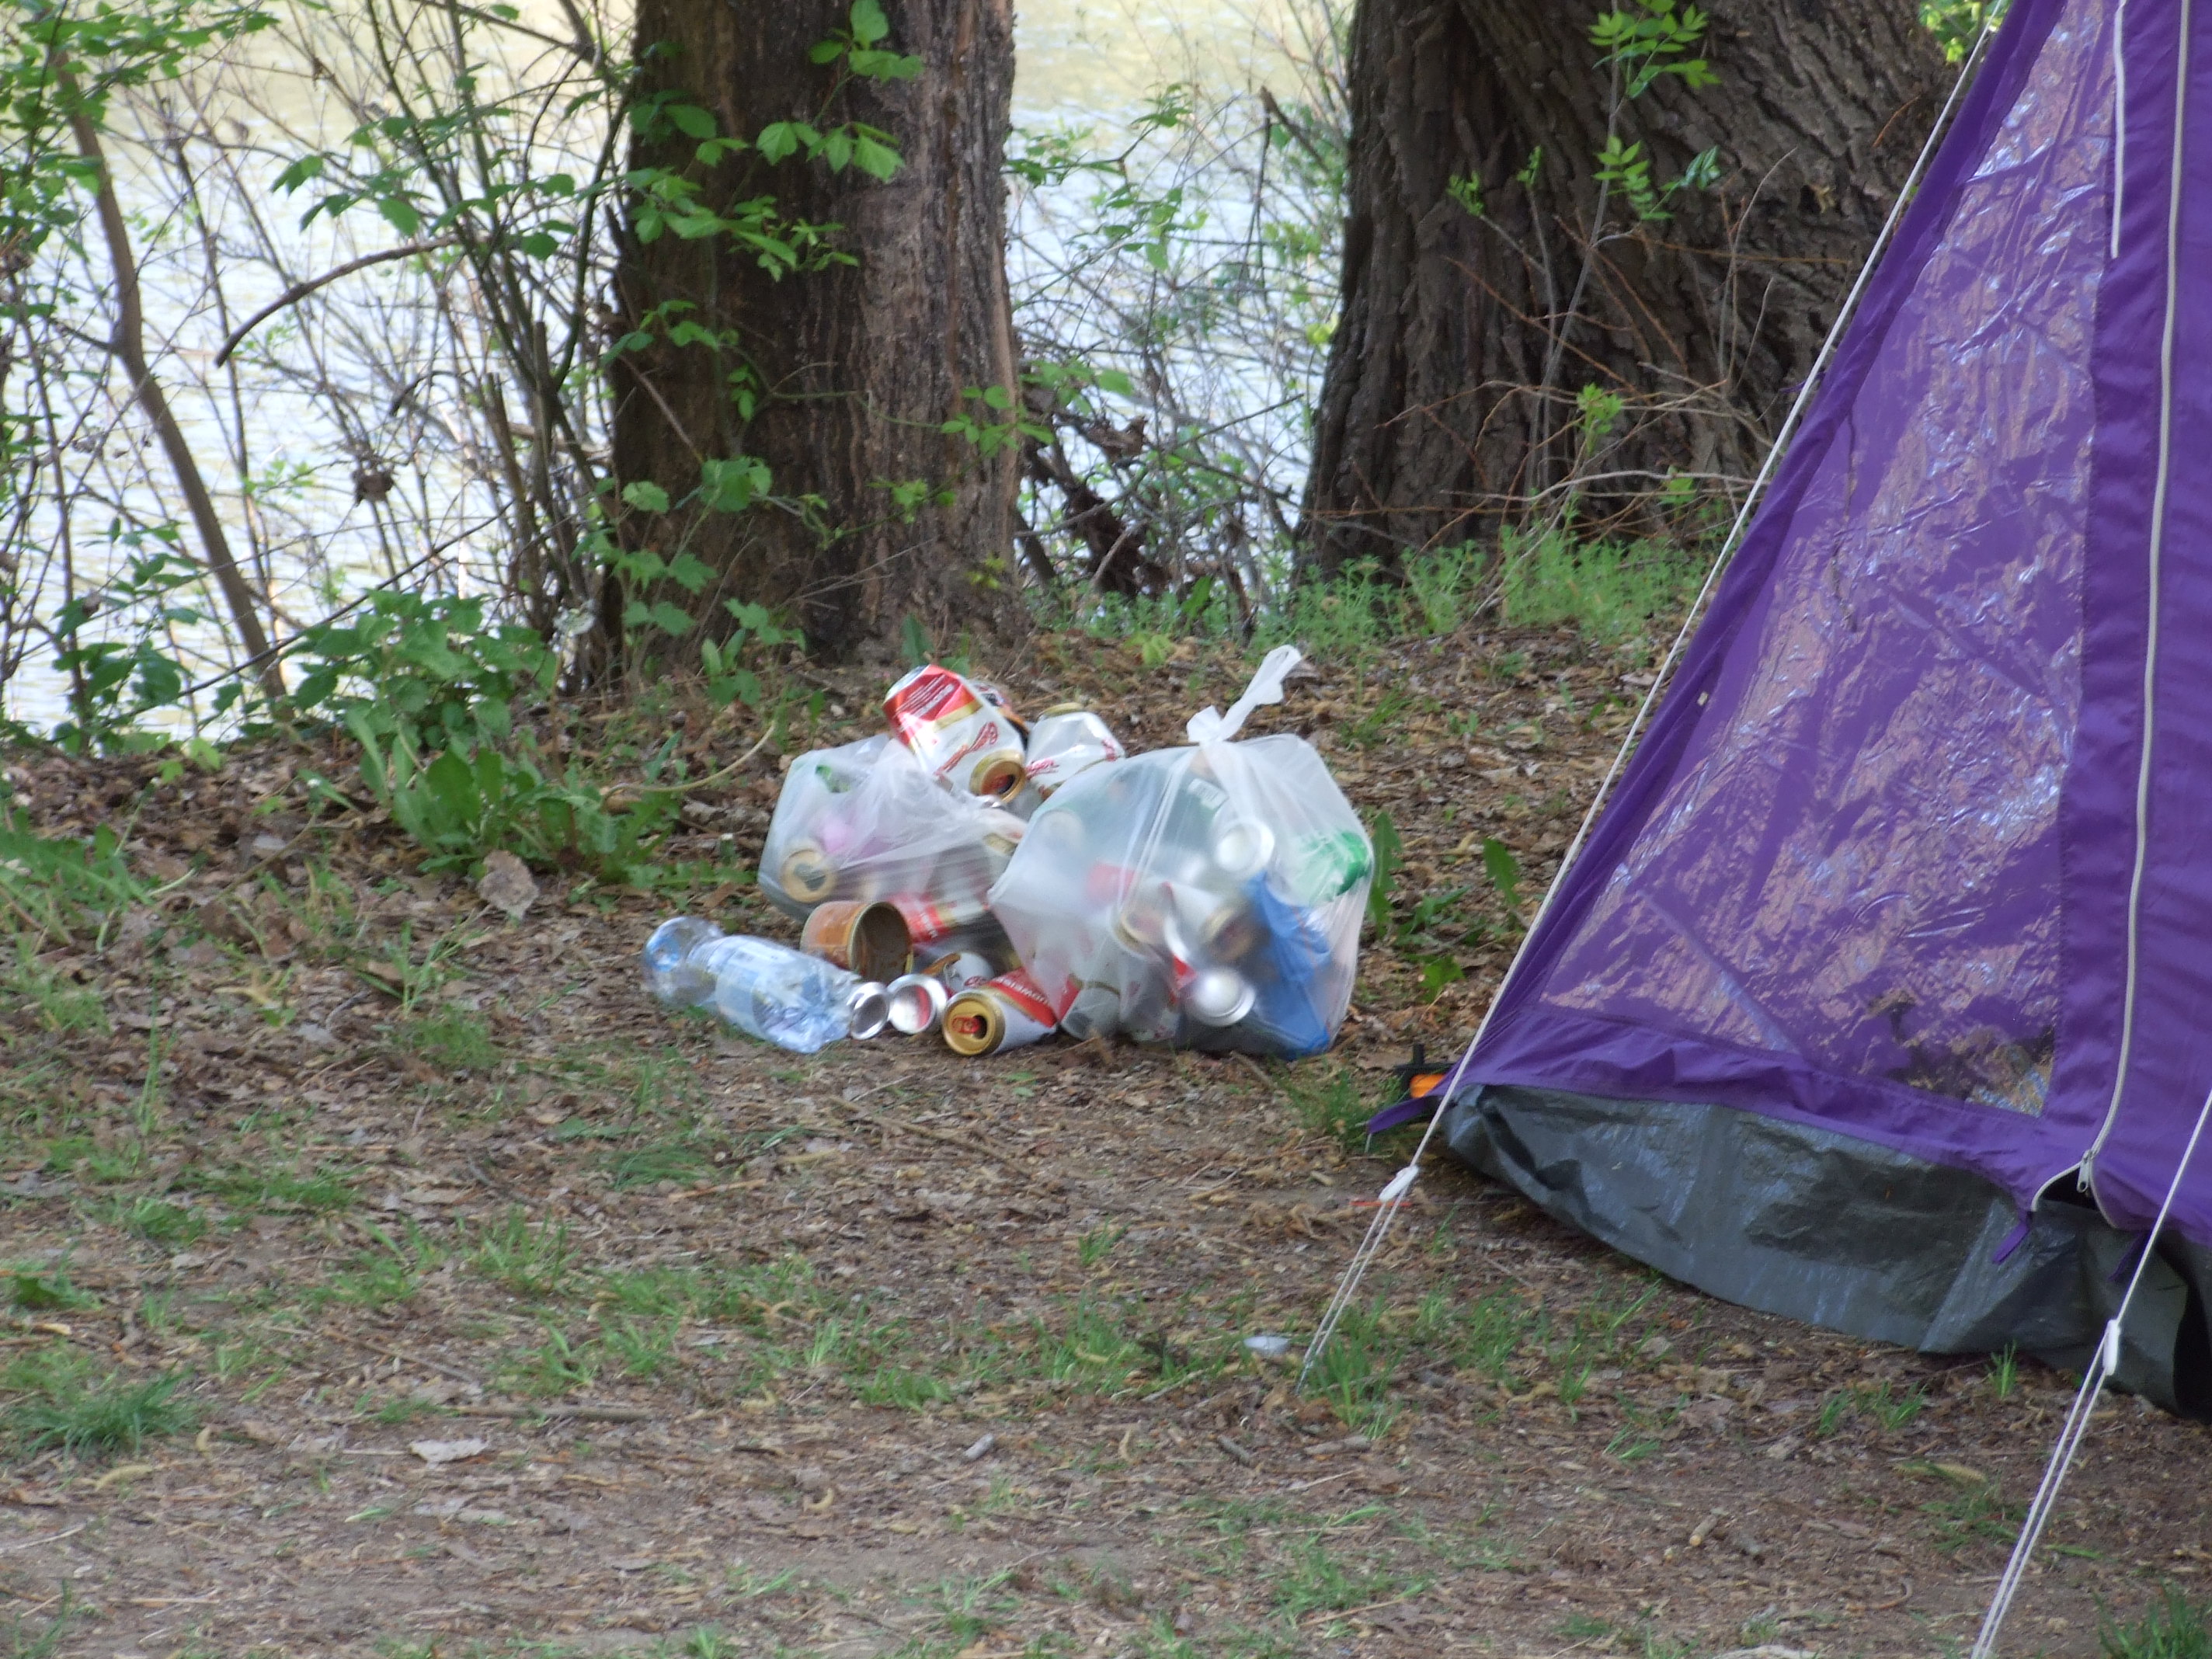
(1881,995)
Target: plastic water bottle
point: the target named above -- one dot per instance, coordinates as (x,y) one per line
(767,990)
(670,977)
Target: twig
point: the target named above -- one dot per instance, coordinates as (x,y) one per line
(961,1141)
(43,1538)
(575,1413)
(458,1374)
(299,291)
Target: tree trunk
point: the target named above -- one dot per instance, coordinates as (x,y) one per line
(876,514)
(1451,400)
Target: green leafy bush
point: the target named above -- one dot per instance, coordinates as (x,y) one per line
(429,669)
(460,806)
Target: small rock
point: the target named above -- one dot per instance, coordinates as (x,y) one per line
(449,1451)
(506,884)
(1267,1346)
(981,1449)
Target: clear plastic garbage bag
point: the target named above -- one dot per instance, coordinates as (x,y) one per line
(866,821)
(1209,896)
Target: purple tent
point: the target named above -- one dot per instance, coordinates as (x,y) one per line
(1882,993)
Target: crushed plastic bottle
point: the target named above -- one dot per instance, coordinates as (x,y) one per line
(671,976)
(767,990)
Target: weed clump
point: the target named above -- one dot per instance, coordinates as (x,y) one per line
(2173,1627)
(68,1408)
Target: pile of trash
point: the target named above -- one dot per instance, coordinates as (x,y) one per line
(994,880)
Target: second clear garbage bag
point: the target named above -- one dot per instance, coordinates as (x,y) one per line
(1209,896)
(866,821)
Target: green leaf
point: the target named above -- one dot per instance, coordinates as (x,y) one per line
(646,497)
(877,161)
(781,140)
(307,168)
(671,620)
(869,23)
(538,245)
(690,120)
(400,214)
(1390,853)
(689,573)
(734,485)
(1113,381)
(1505,871)
(884,65)
(837,148)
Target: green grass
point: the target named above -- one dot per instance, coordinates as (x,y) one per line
(1312,1579)
(1095,1246)
(2172,1627)
(1333,1107)
(1607,589)
(20,1640)
(526,1257)
(57,1003)
(321,1191)
(66,1406)
(48,1292)
(1611,590)
(555,1366)
(173,1226)
(453,1040)
(1886,1405)
(683,1162)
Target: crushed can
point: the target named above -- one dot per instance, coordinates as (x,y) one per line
(1006,1012)
(930,918)
(961,738)
(961,970)
(871,939)
(1066,740)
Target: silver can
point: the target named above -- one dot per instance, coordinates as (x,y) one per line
(1241,848)
(1218,996)
(1064,741)
(917,1003)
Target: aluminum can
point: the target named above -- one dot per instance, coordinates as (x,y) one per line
(868,1009)
(870,939)
(929,918)
(1220,927)
(1216,995)
(1328,865)
(1064,741)
(960,738)
(1240,846)
(1009,1012)
(917,1003)
(808,873)
(962,970)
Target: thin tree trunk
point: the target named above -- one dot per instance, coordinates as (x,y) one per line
(128,343)
(863,364)
(1449,398)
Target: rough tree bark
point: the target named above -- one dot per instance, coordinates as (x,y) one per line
(863,363)
(1436,418)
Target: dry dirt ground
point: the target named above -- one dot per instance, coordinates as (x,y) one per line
(311,1165)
